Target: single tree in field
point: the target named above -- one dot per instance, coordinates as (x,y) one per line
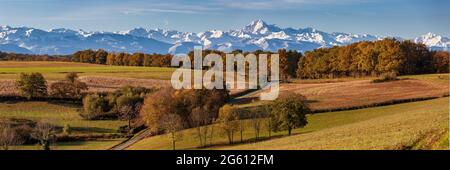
(71,87)
(129,112)
(74,81)
(257,118)
(32,85)
(8,137)
(228,121)
(289,112)
(155,107)
(172,124)
(440,61)
(200,119)
(269,125)
(44,133)
(241,129)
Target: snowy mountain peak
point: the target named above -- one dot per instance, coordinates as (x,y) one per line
(256,35)
(5,27)
(430,37)
(256,25)
(139,31)
(434,41)
(260,27)
(61,30)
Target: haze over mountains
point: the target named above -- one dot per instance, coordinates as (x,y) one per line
(256,35)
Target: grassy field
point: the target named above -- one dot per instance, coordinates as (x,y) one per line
(77,145)
(58,114)
(57,70)
(419,125)
(371,128)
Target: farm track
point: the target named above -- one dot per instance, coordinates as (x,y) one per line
(127,143)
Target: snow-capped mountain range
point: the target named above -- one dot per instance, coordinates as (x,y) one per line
(256,35)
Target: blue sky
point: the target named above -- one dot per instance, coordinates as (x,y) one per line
(405,18)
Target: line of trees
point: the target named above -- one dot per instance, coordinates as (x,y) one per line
(364,58)
(357,59)
(284,114)
(122,59)
(372,58)
(32,57)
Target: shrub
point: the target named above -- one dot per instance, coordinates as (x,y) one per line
(123,103)
(228,121)
(23,128)
(32,85)
(386,77)
(71,87)
(8,137)
(67,129)
(95,106)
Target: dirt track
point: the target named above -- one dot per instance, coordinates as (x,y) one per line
(133,140)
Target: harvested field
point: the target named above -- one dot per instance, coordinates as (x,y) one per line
(110,84)
(361,92)
(95,84)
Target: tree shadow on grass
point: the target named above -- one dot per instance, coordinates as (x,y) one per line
(94,130)
(253,140)
(80,143)
(69,104)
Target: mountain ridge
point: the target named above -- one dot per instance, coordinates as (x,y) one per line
(256,35)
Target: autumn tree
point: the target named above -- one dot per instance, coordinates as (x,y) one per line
(201,120)
(228,121)
(197,108)
(101,56)
(129,110)
(8,136)
(441,60)
(94,105)
(110,59)
(288,63)
(44,133)
(137,59)
(172,124)
(154,108)
(257,116)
